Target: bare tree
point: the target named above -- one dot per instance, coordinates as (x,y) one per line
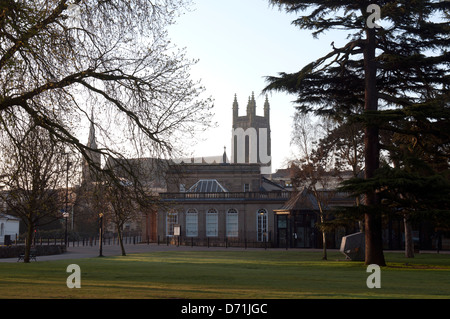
(32,171)
(314,169)
(129,199)
(345,143)
(120,205)
(68,56)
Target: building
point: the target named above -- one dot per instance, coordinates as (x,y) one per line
(296,220)
(283,177)
(219,204)
(216,200)
(214,204)
(9,228)
(239,201)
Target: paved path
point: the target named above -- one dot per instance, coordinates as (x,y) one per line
(114,250)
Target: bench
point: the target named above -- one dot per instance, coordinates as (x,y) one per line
(32,256)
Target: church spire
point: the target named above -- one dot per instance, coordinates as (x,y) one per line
(235,108)
(235,102)
(92,143)
(251,106)
(224,156)
(266,108)
(87,173)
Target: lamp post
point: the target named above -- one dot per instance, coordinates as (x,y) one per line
(65,215)
(66,212)
(101,234)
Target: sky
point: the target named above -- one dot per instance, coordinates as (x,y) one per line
(238,43)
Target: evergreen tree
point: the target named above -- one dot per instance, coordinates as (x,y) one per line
(417,183)
(377,77)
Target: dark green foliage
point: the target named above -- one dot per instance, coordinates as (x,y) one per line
(394,81)
(412,65)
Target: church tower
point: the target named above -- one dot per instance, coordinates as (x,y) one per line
(87,174)
(251,136)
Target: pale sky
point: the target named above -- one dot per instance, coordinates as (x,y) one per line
(238,43)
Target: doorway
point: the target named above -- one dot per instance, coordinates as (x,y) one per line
(304,230)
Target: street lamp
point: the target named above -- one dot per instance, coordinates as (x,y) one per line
(66,213)
(101,234)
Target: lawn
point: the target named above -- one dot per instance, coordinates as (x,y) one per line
(228,274)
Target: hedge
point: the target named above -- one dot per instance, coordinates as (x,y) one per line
(15,251)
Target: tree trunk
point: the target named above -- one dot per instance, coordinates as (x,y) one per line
(324,236)
(322,219)
(374,243)
(100,239)
(324,242)
(28,242)
(409,244)
(120,234)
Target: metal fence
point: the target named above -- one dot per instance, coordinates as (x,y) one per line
(245,242)
(84,241)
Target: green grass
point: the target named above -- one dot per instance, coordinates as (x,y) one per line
(228,274)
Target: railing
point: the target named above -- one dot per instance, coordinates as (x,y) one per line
(274,195)
(248,241)
(84,241)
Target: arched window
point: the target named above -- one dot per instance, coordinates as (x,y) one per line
(192,223)
(261,225)
(232,223)
(212,223)
(171,220)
